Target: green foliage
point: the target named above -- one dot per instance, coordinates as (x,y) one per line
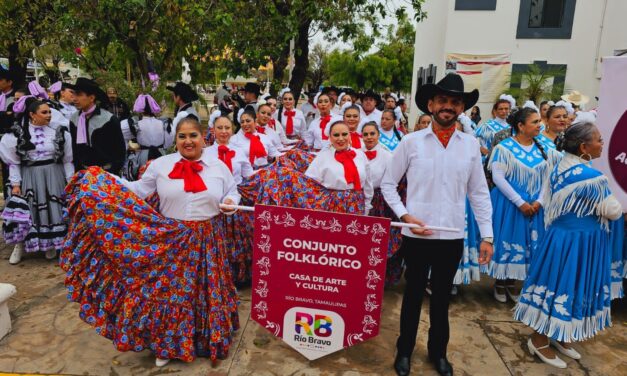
(391,66)
(538,83)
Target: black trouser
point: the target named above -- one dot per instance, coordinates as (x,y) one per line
(442,258)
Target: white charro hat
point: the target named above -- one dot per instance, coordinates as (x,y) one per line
(576,98)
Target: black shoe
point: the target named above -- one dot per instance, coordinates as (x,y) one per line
(402,365)
(443,367)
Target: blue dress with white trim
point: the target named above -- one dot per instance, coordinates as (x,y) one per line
(390,143)
(546,142)
(515,235)
(567,293)
(486,131)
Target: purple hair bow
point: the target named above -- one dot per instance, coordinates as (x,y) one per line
(140,104)
(36,90)
(20,105)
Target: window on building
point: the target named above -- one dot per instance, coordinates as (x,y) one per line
(545,19)
(546,13)
(475,4)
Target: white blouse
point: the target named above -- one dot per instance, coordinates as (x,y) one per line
(314,136)
(273,136)
(152,132)
(326,170)
(43,139)
(300,124)
(240,141)
(309,111)
(174,202)
(379,164)
(241,166)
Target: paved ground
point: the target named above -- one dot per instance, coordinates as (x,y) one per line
(49,338)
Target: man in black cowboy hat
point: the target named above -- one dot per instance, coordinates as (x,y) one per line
(96,134)
(443,167)
(184,95)
(251,94)
(369,102)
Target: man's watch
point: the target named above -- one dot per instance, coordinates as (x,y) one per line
(488,240)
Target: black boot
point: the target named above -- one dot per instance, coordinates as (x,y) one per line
(443,367)
(402,365)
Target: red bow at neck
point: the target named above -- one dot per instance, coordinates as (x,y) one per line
(256,149)
(371,154)
(272,123)
(355,140)
(289,125)
(351,174)
(188,171)
(323,124)
(226,155)
(261,129)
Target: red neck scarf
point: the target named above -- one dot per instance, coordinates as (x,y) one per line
(289,125)
(261,129)
(323,124)
(444,134)
(225,155)
(371,154)
(355,140)
(272,123)
(351,174)
(256,149)
(188,171)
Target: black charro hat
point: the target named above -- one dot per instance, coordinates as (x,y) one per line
(452,84)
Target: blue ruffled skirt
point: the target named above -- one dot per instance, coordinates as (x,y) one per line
(567,293)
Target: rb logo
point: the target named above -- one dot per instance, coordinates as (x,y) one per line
(321,324)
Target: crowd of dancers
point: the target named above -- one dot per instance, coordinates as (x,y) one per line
(131,203)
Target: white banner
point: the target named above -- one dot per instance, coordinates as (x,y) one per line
(612,123)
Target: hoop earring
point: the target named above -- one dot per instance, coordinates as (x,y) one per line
(582,156)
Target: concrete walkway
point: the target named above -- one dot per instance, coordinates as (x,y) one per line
(49,338)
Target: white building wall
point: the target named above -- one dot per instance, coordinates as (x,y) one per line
(596,32)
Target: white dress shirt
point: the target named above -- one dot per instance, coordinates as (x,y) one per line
(174,202)
(241,166)
(378,165)
(375,116)
(43,139)
(438,181)
(240,141)
(300,123)
(326,170)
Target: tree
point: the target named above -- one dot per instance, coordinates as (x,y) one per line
(390,66)
(318,66)
(300,19)
(26,24)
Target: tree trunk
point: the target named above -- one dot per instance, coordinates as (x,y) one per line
(279,69)
(17,64)
(301,59)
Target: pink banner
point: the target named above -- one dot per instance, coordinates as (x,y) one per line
(318,277)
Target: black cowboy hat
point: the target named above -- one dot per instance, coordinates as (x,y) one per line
(252,87)
(327,89)
(6,74)
(184,91)
(452,84)
(89,87)
(371,94)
